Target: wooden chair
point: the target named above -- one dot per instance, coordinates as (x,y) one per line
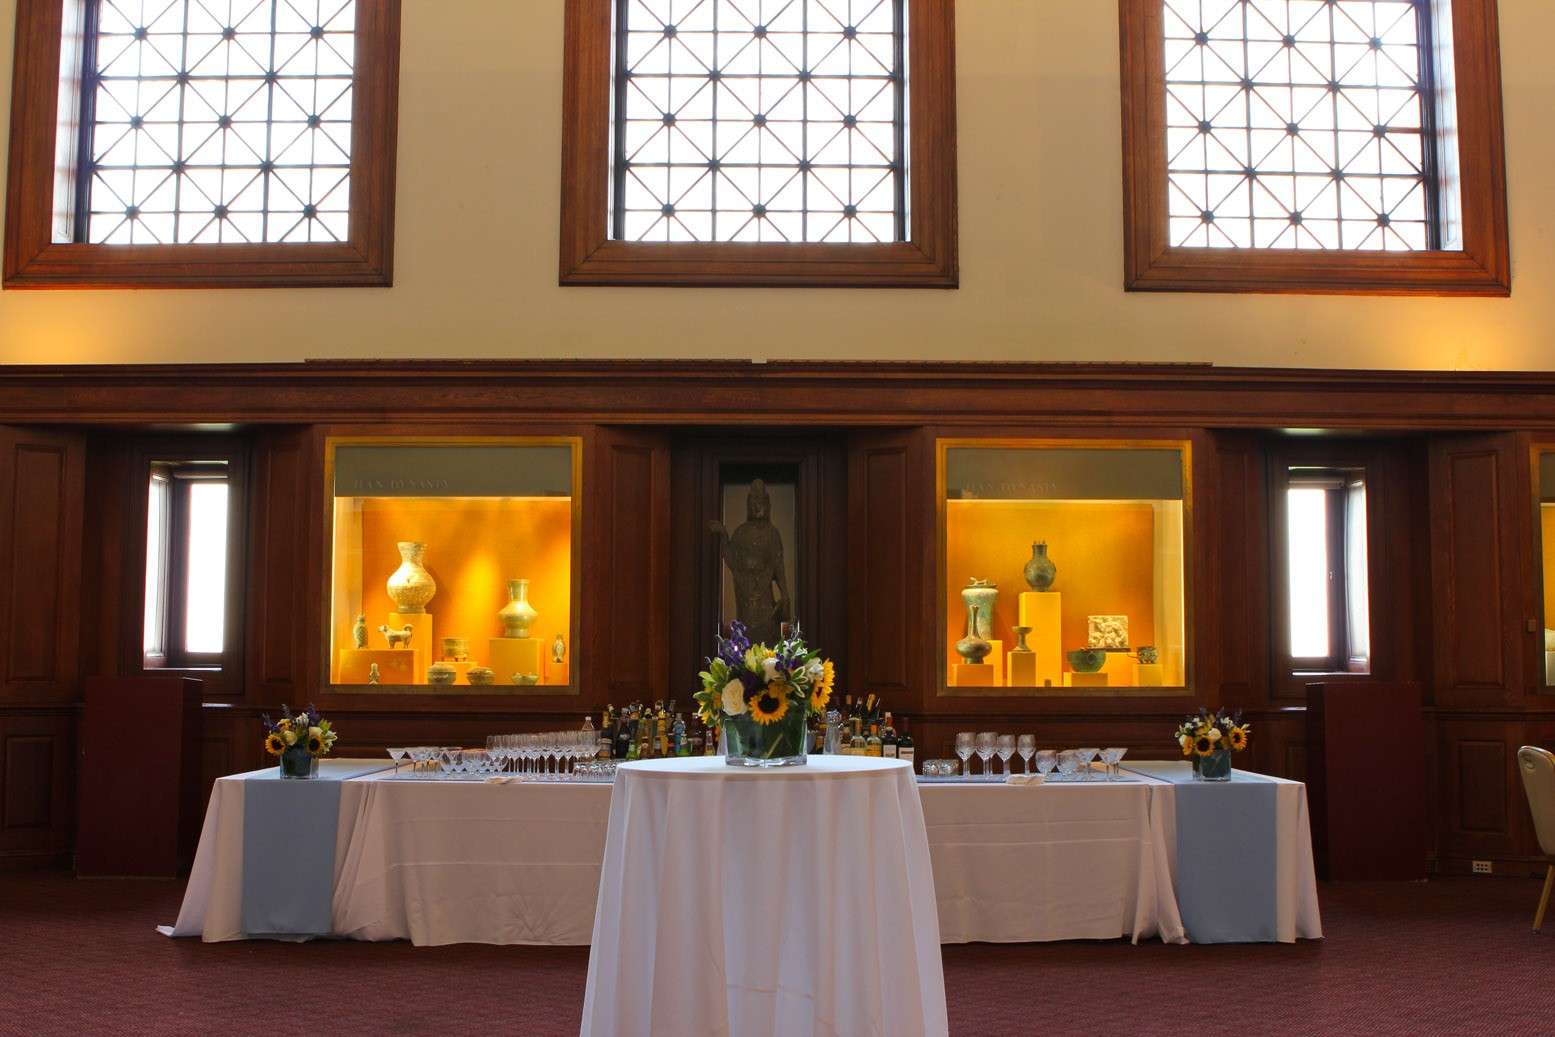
(1538,768)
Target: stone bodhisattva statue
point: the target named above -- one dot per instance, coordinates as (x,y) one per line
(754,555)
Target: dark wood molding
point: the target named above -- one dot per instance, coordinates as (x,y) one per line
(33,258)
(588,256)
(1482,266)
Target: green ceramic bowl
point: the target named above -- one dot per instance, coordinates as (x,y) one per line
(1086,660)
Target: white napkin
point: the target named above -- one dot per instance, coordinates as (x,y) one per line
(1023,779)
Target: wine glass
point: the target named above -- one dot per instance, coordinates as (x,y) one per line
(964,743)
(1046,760)
(1026,745)
(397,755)
(1084,762)
(1005,747)
(1111,757)
(1068,760)
(985,744)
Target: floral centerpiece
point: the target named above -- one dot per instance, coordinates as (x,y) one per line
(1209,739)
(298,741)
(762,697)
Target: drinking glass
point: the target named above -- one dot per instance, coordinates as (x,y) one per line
(964,743)
(1046,760)
(397,755)
(1111,757)
(985,744)
(1005,747)
(1068,760)
(1086,756)
(1026,745)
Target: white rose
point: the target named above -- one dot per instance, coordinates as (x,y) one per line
(769,670)
(1214,734)
(813,669)
(290,736)
(734,698)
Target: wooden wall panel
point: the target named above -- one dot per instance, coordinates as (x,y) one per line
(1479,810)
(629,573)
(42,476)
(36,784)
(885,569)
(284,610)
(1237,556)
(1476,582)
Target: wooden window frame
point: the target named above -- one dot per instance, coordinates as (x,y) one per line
(34,259)
(927,259)
(1481,267)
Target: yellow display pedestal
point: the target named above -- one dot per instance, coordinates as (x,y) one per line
(1149,675)
(510,655)
(395,666)
(970,675)
(461,670)
(1023,669)
(557,673)
(1119,669)
(1085,680)
(1043,613)
(995,658)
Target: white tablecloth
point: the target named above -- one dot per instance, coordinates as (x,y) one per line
(792,902)
(1080,861)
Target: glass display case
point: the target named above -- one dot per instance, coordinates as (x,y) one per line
(1544,487)
(453,564)
(1062,566)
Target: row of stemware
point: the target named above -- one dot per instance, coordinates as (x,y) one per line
(988,744)
(544,755)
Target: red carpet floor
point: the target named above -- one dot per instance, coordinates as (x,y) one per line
(1452,956)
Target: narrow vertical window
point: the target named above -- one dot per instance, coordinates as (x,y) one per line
(187,559)
(1328,601)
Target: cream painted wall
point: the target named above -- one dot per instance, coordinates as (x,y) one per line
(1041,230)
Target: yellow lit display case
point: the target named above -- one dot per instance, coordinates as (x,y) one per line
(1544,486)
(1062,566)
(453,564)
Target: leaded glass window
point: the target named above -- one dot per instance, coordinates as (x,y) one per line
(1299,124)
(759,121)
(216,121)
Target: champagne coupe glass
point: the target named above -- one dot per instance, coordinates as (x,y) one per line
(1068,760)
(985,744)
(397,755)
(418,757)
(1086,756)
(1026,745)
(964,743)
(1046,760)
(1005,747)
(1110,757)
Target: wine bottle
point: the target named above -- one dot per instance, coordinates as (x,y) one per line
(858,745)
(904,746)
(872,745)
(888,740)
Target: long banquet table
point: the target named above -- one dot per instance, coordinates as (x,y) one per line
(439,862)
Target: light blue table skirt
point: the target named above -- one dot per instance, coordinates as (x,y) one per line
(1227,854)
(289,830)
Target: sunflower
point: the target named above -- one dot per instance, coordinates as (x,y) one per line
(820,691)
(1237,736)
(770,704)
(274,744)
(1187,745)
(1203,744)
(315,744)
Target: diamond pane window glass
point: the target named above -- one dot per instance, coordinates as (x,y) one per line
(1299,124)
(759,121)
(217,121)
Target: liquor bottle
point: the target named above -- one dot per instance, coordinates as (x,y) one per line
(888,741)
(662,731)
(681,742)
(904,746)
(624,739)
(872,745)
(859,745)
(710,741)
(631,751)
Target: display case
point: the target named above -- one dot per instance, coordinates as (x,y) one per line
(1544,488)
(1063,566)
(453,564)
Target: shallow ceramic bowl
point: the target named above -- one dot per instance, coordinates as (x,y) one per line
(480,675)
(438,673)
(526,678)
(1086,660)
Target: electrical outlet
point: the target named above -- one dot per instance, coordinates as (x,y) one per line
(1482,867)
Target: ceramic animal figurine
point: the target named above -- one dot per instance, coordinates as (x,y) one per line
(396,637)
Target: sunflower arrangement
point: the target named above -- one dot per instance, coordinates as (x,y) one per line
(307,731)
(761,682)
(1203,732)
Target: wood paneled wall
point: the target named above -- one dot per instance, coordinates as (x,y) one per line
(1454,562)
